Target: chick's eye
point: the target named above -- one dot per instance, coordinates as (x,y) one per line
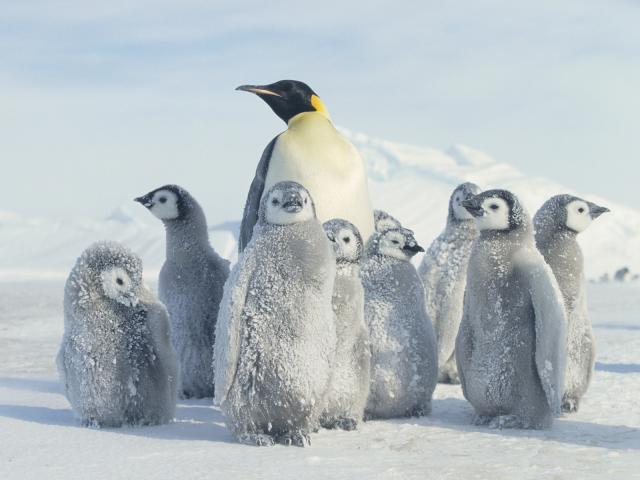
(581,210)
(162,199)
(395,242)
(494,207)
(119,281)
(275,202)
(346,239)
(306,200)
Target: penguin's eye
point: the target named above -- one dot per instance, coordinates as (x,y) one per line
(395,242)
(162,199)
(119,281)
(275,202)
(306,200)
(494,207)
(581,210)
(346,239)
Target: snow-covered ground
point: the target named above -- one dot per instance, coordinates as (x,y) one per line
(40,439)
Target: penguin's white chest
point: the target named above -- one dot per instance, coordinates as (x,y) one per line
(312,153)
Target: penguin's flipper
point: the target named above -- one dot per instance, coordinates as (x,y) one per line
(550,323)
(252,205)
(229,327)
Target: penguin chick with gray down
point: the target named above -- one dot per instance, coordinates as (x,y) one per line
(510,347)
(444,274)
(404,361)
(190,285)
(557,224)
(276,336)
(383,221)
(349,385)
(116,361)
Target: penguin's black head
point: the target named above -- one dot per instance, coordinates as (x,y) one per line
(567,212)
(169,202)
(496,210)
(288,98)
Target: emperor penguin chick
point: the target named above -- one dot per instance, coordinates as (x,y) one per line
(557,224)
(190,285)
(444,274)
(404,362)
(349,386)
(116,361)
(276,335)
(510,347)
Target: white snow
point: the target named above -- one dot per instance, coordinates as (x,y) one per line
(40,439)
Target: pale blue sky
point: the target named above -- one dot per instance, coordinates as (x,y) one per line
(102,101)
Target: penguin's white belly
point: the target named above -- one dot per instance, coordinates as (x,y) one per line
(312,153)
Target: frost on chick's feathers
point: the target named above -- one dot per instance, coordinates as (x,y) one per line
(403,346)
(276,334)
(443,271)
(116,361)
(349,385)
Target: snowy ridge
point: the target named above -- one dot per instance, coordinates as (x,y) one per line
(410,182)
(414,183)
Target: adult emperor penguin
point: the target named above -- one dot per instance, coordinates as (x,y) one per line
(510,347)
(313,153)
(557,224)
(349,386)
(276,336)
(190,285)
(116,361)
(404,361)
(444,274)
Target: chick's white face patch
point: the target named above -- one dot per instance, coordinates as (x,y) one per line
(117,285)
(495,216)
(459,211)
(391,245)
(165,205)
(346,245)
(278,210)
(578,215)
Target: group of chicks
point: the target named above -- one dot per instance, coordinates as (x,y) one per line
(316,327)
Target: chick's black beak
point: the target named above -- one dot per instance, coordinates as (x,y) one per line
(473,208)
(597,210)
(413,248)
(144,200)
(260,90)
(292,202)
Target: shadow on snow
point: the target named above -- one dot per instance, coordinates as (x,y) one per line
(618,367)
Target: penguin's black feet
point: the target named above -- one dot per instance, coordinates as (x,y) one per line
(342,423)
(570,405)
(296,439)
(257,439)
(482,420)
(507,421)
(348,424)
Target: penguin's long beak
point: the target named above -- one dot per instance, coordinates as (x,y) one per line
(144,200)
(258,90)
(473,208)
(597,210)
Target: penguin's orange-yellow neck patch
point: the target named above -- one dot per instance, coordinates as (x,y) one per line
(319,106)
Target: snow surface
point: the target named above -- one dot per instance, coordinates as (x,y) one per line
(39,437)
(409,182)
